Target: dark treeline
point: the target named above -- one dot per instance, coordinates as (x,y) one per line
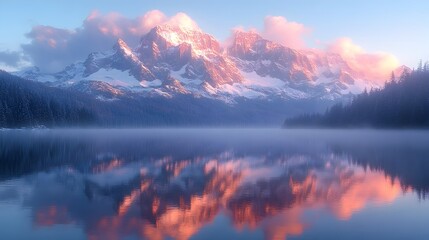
(27,103)
(402,103)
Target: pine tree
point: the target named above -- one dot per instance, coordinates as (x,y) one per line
(392,77)
(398,104)
(420,66)
(2,115)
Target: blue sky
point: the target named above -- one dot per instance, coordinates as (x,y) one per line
(398,27)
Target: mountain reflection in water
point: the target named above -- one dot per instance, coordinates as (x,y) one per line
(180,183)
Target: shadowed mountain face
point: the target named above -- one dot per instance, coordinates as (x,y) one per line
(183,184)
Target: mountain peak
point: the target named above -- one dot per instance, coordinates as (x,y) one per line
(121,42)
(243,41)
(246,35)
(167,27)
(246,39)
(123,47)
(168,35)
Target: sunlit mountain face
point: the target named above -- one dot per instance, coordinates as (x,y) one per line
(174,60)
(198,184)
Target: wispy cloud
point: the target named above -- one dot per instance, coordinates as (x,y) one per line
(287,33)
(10,58)
(375,66)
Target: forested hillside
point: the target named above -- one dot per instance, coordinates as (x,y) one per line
(27,103)
(402,103)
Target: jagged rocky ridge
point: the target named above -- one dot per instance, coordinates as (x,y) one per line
(172,60)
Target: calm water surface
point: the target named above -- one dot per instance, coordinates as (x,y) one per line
(214,184)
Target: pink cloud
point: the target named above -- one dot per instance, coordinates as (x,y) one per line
(183,20)
(150,20)
(287,33)
(52,48)
(230,39)
(371,66)
(114,24)
(278,29)
(50,36)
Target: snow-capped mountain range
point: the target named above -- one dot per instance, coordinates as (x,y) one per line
(172,60)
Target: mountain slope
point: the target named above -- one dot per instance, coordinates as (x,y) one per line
(25,103)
